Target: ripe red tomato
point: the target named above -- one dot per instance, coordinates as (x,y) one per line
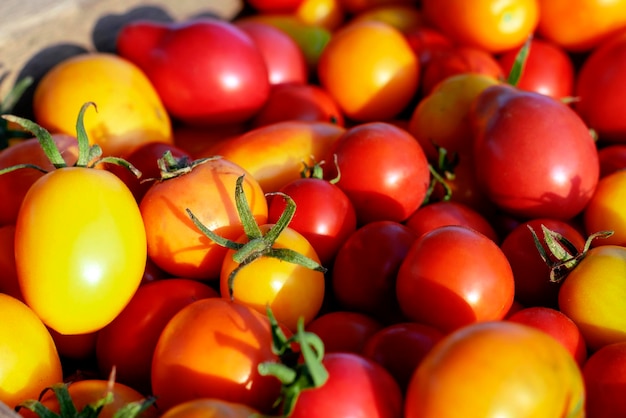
(519,171)
(454,276)
(612,158)
(384,171)
(427,42)
(605,378)
(274,6)
(344,331)
(9,283)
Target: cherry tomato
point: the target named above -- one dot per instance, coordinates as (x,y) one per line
(605,377)
(496,367)
(344,331)
(454,276)
(402,16)
(209,408)
(30,361)
(605,211)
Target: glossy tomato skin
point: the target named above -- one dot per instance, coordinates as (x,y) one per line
(454,276)
(364,271)
(356,386)
(384,171)
(30,361)
(324,214)
(224,79)
(83,281)
(606,212)
(344,331)
(209,408)
(515,371)
(192,360)
(522,173)
(128,341)
(604,373)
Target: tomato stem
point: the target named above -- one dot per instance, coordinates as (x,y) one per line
(519,63)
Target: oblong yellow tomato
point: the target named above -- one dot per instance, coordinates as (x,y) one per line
(80,248)
(274,154)
(130,112)
(370,69)
(29,362)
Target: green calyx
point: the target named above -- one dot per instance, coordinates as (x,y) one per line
(519,63)
(441,173)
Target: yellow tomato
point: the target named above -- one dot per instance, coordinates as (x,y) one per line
(606,210)
(404,17)
(29,361)
(325,13)
(130,112)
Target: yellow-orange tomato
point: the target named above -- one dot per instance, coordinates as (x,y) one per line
(496,369)
(210,408)
(404,17)
(370,70)
(274,154)
(325,13)
(606,210)
(441,118)
(130,112)
(580,25)
(493,25)
(358,6)
(29,361)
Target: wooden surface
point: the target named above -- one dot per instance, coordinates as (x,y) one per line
(35,34)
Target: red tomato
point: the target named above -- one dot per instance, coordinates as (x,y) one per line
(519,171)
(364,272)
(324,214)
(454,276)
(612,158)
(356,386)
(344,331)
(282,55)
(274,6)
(548,69)
(383,169)
(427,42)
(605,379)
(9,283)
(76,347)
(200,141)
(401,347)
(556,324)
(207,71)
(128,342)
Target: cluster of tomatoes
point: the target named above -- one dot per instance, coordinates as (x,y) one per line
(324,208)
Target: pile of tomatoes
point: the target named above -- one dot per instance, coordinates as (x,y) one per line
(324,208)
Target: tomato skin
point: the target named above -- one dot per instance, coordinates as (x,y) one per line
(521,173)
(531,375)
(612,158)
(30,361)
(379,163)
(275,6)
(9,283)
(454,276)
(191,359)
(292,291)
(199,92)
(592,294)
(128,341)
(209,408)
(356,386)
(604,373)
(83,281)
(344,331)
(606,212)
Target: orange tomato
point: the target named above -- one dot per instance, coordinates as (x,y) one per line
(606,211)
(580,25)
(325,13)
(404,17)
(370,69)
(209,408)
(358,6)
(493,25)
(130,112)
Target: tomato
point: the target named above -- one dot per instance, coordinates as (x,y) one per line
(402,16)
(604,373)
(292,291)
(515,370)
(557,325)
(224,78)
(580,25)
(533,286)
(199,141)
(359,6)
(454,276)
(356,386)
(324,214)
(128,342)
(599,88)
(370,70)
(548,69)
(209,408)
(211,349)
(175,244)
(401,347)
(384,171)
(30,361)
(272,6)
(344,331)
(15,184)
(364,272)
(9,283)
(612,158)
(327,14)
(491,25)
(308,102)
(436,214)
(274,154)
(83,281)
(283,57)
(520,172)
(592,294)
(75,347)
(605,211)
(130,110)
(427,42)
